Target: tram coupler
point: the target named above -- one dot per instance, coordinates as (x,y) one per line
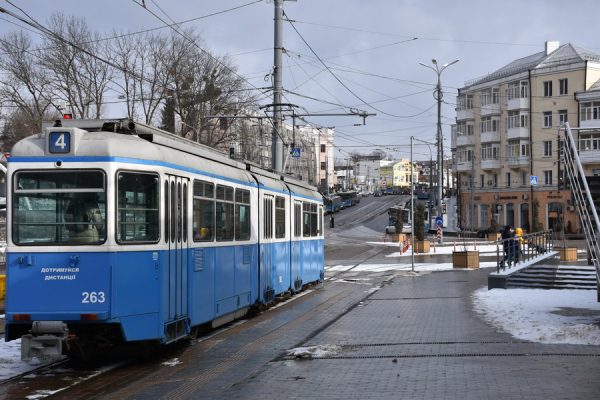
(45,341)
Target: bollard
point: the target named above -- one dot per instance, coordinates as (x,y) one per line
(475,245)
(455,244)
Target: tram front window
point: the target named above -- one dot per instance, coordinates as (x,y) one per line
(59,207)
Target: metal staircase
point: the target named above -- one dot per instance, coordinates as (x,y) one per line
(583,200)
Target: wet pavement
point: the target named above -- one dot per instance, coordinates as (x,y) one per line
(397,335)
(416,337)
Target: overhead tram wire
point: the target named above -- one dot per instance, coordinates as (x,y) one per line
(418,38)
(153,29)
(374,102)
(336,77)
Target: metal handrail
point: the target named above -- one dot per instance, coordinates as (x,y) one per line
(583,200)
(519,249)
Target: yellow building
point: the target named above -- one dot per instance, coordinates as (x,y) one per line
(401,172)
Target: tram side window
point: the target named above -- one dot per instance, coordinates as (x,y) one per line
(297,219)
(314,226)
(59,207)
(268,217)
(320,219)
(204,211)
(225,213)
(306,219)
(137,207)
(279,217)
(242,214)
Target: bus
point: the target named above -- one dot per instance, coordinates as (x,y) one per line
(349,198)
(333,204)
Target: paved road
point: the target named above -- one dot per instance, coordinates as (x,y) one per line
(399,336)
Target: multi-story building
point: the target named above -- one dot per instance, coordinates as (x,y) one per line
(402,172)
(507,135)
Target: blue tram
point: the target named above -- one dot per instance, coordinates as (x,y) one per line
(120,233)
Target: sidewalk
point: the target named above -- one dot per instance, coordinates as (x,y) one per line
(381,336)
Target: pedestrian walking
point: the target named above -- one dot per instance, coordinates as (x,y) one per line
(508,244)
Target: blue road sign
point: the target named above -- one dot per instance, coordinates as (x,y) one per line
(533,181)
(296,152)
(439,221)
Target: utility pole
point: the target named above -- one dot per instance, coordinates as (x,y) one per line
(276,139)
(472,211)
(438,95)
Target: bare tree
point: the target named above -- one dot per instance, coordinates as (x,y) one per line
(24,84)
(76,76)
(21,122)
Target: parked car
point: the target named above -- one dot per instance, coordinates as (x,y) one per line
(377,193)
(423,196)
(484,232)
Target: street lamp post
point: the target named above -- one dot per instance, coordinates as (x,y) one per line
(438,95)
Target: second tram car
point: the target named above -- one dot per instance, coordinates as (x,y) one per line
(120,233)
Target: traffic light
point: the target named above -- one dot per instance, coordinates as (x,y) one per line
(231,152)
(443,208)
(67,116)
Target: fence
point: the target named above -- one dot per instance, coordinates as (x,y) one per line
(517,250)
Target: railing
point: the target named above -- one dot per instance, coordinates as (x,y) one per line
(583,200)
(520,249)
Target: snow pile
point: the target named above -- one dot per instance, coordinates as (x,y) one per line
(172,363)
(324,350)
(543,316)
(10,360)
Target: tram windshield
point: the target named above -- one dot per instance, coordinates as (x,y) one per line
(59,207)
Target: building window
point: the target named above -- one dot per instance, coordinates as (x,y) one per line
(495,180)
(323,166)
(548,89)
(323,148)
(517,90)
(547,119)
(465,102)
(489,152)
(516,119)
(547,146)
(508,179)
(563,87)
(562,117)
(590,111)
(523,178)
(548,178)
(481,180)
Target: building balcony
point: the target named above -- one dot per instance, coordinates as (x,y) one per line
(463,166)
(592,123)
(519,162)
(490,109)
(490,164)
(464,114)
(518,133)
(589,156)
(464,141)
(518,103)
(490,137)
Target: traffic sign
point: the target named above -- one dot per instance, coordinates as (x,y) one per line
(533,181)
(439,221)
(439,232)
(296,152)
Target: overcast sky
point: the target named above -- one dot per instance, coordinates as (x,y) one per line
(369,46)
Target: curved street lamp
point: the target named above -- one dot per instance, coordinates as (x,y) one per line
(438,94)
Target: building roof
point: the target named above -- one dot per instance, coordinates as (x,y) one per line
(595,86)
(563,55)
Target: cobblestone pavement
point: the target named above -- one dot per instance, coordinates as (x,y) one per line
(416,337)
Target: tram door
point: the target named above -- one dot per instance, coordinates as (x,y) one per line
(176,234)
